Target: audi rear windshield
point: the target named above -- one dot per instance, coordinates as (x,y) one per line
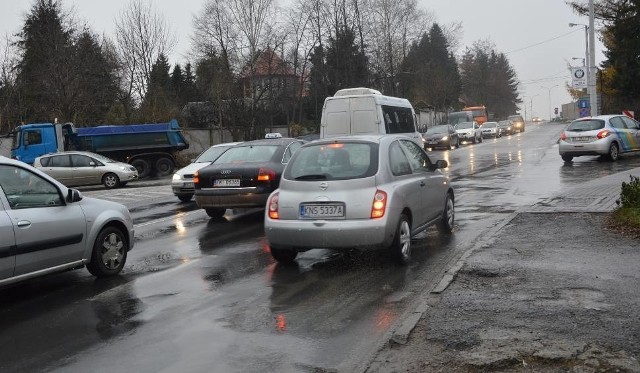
(248,153)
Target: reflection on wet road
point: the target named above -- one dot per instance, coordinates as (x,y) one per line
(200,294)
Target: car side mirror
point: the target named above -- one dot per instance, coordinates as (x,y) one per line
(73,195)
(440,163)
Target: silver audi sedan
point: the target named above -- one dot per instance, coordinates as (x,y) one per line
(370,192)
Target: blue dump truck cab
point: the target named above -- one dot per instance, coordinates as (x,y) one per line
(150,148)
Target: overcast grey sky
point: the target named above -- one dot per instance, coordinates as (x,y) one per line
(535,34)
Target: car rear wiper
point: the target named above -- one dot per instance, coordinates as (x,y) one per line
(312,177)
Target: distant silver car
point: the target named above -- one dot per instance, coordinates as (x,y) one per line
(469,131)
(490,129)
(358,192)
(46,227)
(604,135)
(182,183)
(76,168)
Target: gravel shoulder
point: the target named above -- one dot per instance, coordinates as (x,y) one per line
(549,292)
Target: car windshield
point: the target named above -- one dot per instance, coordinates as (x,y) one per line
(516,118)
(489,124)
(464,125)
(335,161)
(586,125)
(211,154)
(438,129)
(248,153)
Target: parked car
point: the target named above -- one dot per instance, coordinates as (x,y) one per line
(244,175)
(517,123)
(604,135)
(47,227)
(490,129)
(75,168)
(469,131)
(182,183)
(442,136)
(371,192)
(505,127)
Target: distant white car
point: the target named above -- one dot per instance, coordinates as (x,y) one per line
(469,131)
(182,183)
(46,227)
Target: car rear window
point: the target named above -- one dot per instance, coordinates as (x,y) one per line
(586,125)
(248,153)
(335,161)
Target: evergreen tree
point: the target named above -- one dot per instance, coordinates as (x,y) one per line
(346,65)
(177,85)
(46,48)
(158,104)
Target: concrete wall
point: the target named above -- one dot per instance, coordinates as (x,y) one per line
(570,111)
(429,118)
(5,146)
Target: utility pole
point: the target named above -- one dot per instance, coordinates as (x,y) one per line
(591,82)
(549,89)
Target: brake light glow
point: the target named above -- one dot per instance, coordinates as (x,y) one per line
(602,134)
(266,174)
(273,206)
(379,204)
(563,137)
(196,178)
(335,146)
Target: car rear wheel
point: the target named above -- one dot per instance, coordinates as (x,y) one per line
(216,212)
(567,158)
(613,152)
(400,248)
(448,216)
(185,197)
(283,256)
(109,253)
(110,180)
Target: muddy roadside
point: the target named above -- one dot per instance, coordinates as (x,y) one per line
(549,292)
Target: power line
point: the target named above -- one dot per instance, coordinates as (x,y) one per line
(543,42)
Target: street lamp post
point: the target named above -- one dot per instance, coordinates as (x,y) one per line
(549,89)
(531,104)
(589,63)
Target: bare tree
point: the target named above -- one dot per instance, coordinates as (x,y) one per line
(142,34)
(8,91)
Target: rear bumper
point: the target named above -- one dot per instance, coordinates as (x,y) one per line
(230,198)
(598,147)
(303,235)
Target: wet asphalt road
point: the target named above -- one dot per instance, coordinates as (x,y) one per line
(204,295)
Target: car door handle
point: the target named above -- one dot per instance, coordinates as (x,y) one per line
(24,223)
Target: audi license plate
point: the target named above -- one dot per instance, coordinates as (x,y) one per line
(310,211)
(226,182)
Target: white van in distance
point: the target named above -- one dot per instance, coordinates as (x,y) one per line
(365,111)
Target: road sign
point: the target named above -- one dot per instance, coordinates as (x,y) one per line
(579,77)
(555,111)
(584,112)
(584,103)
(628,113)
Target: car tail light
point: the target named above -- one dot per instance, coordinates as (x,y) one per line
(602,134)
(196,178)
(266,174)
(379,204)
(273,206)
(563,137)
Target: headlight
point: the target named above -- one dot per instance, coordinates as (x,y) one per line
(445,138)
(177,177)
(123,168)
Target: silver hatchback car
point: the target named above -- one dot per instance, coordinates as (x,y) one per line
(604,135)
(74,168)
(46,227)
(358,192)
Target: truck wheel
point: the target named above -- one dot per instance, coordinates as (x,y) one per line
(164,166)
(109,253)
(142,166)
(110,181)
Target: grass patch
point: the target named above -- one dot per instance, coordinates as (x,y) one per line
(625,220)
